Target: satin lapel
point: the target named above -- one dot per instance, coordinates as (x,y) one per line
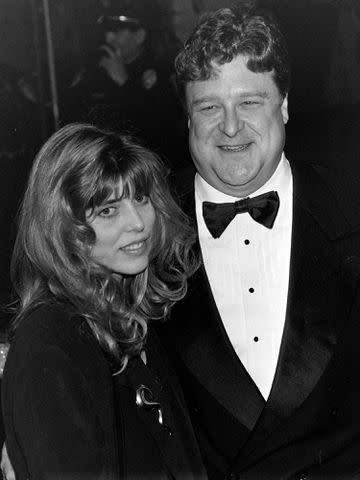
(208,355)
(315,313)
(308,338)
(205,349)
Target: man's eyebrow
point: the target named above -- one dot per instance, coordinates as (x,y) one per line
(213,98)
(204,99)
(262,94)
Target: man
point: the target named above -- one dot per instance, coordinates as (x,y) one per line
(266,340)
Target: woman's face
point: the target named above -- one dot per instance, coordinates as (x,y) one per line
(123,229)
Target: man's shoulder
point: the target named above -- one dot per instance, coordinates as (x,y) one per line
(330,192)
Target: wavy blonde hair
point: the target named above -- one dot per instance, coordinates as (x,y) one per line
(78,169)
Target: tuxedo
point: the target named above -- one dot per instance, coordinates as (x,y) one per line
(309,427)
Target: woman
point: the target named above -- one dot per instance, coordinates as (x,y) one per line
(102,251)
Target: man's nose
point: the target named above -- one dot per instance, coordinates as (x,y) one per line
(109,36)
(231,122)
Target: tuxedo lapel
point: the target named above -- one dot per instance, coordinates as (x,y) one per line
(308,338)
(315,309)
(210,357)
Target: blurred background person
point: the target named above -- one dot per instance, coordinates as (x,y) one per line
(127,82)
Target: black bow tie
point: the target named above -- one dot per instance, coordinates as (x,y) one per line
(263,209)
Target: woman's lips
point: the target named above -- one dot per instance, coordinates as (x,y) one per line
(134,247)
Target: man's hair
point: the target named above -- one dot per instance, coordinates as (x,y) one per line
(226,33)
(75,172)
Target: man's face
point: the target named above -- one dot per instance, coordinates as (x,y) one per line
(236,127)
(124,41)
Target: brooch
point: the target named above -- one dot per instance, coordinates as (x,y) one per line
(145,399)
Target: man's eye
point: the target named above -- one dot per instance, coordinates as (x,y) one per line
(250,103)
(208,108)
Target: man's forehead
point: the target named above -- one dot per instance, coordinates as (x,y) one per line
(230,70)
(118,29)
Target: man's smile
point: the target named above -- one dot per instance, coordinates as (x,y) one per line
(235,148)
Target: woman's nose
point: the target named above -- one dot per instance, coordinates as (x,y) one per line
(134,220)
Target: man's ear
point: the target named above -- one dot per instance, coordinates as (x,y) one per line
(140,36)
(284,110)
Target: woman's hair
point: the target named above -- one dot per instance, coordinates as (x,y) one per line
(77,170)
(227,33)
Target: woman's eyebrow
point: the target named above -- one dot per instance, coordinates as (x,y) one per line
(112,200)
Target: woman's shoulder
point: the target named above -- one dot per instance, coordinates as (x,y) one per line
(51,330)
(47,322)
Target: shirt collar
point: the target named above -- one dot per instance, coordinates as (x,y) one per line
(279,182)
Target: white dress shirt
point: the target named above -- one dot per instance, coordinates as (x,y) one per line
(248,271)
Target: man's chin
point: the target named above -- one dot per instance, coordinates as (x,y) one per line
(235,186)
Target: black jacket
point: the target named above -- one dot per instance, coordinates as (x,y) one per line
(67,417)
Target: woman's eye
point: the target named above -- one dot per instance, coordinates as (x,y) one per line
(141,198)
(107,212)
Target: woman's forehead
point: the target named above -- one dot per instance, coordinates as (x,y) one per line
(123,188)
(118,190)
